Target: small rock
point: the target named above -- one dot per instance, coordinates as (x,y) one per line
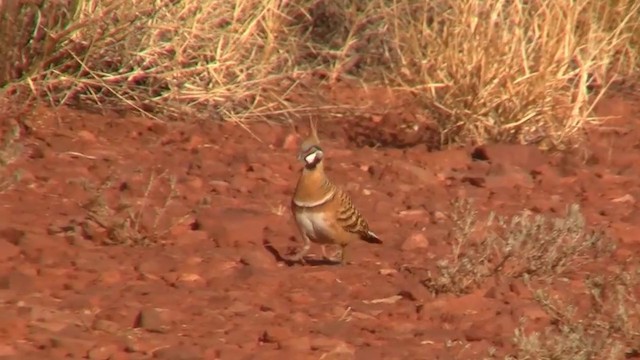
(491,328)
(290,142)
(178,352)
(233,226)
(110,277)
(322,276)
(219,187)
(221,269)
(190,279)
(12,235)
(302,343)
(533,313)
(387,272)
(324,343)
(103,352)
(276,334)
(414,213)
(439,216)
(136,345)
(627,198)
(152,320)
(195,142)
(300,298)
(415,241)
(7,350)
(8,250)
(155,266)
(12,324)
(78,345)
(17,280)
(86,136)
(47,318)
(107,326)
(259,259)
(341,351)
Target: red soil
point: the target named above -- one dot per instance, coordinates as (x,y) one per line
(205,286)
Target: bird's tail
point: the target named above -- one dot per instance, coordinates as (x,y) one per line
(371,238)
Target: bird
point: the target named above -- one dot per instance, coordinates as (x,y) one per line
(324,213)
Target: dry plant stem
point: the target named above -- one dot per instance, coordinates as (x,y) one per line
(124,222)
(485,70)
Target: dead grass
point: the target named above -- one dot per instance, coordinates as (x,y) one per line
(521,246)
(10,150)
(485,70)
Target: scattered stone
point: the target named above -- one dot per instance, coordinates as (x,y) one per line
(439,216)
(490,328)
(156,266)
(77,344)
(627,198)
(414,213)
(387,272)
(102,352)
(276,334)
(340,351)
(12,235)
(86,136)
(8,250)
(136,345)
(290,142)
(110,277)
(18,281)
(190,280)
(107,326)
(388,300)
(48,318)
(300,298)
(7,350)
(178,352)
(152,320)
(259,259)
(301,343)
(476,181)
(415,241)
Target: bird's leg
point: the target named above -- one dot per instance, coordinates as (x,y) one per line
(338,255)
(324,252)
(299,256)
(342,254)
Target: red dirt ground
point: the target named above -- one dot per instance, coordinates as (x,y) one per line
(203,284)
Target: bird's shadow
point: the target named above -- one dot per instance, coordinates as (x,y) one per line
(309,261)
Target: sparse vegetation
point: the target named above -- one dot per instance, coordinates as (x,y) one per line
(523,245)
(10,150)
(484,70)
(606,329)
(543,252)
(128,220)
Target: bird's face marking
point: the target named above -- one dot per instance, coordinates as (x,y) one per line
(312,155)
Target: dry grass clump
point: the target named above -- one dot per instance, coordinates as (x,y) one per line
(522,246)
(514,70)
(210,58)
(10,150)
(486,70)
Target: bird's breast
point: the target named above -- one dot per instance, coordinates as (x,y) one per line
(315,225)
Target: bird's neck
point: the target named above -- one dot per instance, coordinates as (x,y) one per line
(313,187)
